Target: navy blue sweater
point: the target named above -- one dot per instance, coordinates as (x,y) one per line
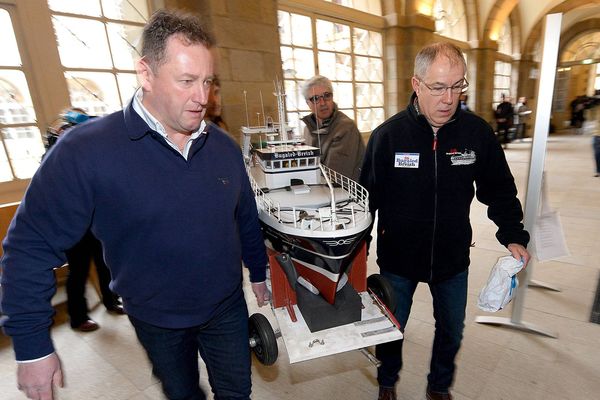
(174,231)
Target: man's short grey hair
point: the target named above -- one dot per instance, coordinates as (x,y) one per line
(317,80)
(430,53)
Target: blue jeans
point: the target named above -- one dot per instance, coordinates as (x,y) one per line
(222,343)
(449,304)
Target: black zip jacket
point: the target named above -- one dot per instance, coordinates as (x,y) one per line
(422,185)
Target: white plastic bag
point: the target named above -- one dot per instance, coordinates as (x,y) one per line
(501,285)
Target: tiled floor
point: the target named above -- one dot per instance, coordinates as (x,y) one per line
(495,362)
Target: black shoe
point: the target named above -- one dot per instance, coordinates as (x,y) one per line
(87,326)
(387,393)
(431,395)
(115,309)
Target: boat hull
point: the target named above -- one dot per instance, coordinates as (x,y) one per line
(321,261)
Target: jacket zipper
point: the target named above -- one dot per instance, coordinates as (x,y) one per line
(435,199)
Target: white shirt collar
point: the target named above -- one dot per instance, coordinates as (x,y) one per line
(155,124)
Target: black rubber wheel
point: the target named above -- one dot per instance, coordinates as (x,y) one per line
(382,289)
(262,339)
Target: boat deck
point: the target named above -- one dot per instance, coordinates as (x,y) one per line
(307,197)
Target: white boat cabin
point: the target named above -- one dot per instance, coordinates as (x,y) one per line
(287,165)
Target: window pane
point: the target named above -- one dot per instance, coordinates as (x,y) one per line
(25,149)
(369,95)
(369,118)
(84,7)
(8,42)
(15,102)
(333,36)
(368,69)
(293,97)
(297,63)
(125,40)
(367,42)
(369,6)
(95,92)
(81,43)
(285,27)
(127,86)
(335,66)
(126,10)
(302,32)
(343,95)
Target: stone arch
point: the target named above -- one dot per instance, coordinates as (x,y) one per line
(498,14)
(582,27)
(536,32)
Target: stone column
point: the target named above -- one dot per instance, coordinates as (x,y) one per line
(404,37)
(483,58)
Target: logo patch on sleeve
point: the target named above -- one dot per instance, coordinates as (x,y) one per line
(406,160)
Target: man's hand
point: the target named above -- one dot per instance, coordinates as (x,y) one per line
(37,379)
(262,293)
(519,253)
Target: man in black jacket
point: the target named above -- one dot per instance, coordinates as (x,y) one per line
(504,120)
(419,169)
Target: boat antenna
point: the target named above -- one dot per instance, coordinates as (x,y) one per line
(246,105)
(262,107)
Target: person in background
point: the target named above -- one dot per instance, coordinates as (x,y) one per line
(342,146)
(504,120)
(170,200)
(215,106)
(422,168)
(463,102)
(522,115)
(596,147)
(78,257)
(86,250)
(578,106)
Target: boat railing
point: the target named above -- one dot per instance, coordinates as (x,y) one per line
(357,193)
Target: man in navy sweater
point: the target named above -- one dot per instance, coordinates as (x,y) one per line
(169,198)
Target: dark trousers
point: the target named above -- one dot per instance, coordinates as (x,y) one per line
(222,343)
(596,144)
(79,258)
(521,130)
(503,135)
(449,304)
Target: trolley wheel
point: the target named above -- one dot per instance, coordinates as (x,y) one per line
(382,289)
(262,339)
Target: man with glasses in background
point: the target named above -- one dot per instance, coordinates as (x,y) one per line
(420,169)
(342,147)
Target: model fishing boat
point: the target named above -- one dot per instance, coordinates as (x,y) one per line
(307,210)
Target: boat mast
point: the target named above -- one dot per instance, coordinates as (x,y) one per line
(279,93)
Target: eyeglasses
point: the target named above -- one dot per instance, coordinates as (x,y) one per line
(325,96)
(439,90)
